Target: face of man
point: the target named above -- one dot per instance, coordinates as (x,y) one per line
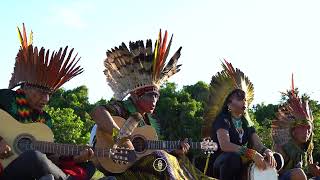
(36,98)
(147,102)
(302,133)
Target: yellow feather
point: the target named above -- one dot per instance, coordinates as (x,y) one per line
(30,38)
(155,58)
(20,36)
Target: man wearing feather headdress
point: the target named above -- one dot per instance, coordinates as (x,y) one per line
(292,132)
(138,72)
(228,123)
(39,75)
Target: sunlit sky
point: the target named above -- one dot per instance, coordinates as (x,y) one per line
(268,40)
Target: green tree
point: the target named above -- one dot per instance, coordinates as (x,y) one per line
(263,129)
(179,114)
(77,100)
(67,126)
(199,91)
(262,115)
(264,112)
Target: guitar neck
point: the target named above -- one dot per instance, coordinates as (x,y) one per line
(167,145)
(66,149)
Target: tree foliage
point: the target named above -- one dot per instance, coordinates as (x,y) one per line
(71,108)
(179,111)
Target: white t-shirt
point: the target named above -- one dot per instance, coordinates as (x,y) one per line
(93,135)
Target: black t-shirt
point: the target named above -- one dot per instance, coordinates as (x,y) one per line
(224,121)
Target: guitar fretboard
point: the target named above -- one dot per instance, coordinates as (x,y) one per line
(155,144)
(66,149)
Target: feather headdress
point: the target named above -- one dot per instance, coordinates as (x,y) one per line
(292,113)
(222,84)
(140,66)
(38,69)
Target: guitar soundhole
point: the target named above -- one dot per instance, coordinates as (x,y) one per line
(23,143)
(139,144)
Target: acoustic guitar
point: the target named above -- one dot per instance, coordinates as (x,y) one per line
(145,141)
(38,136)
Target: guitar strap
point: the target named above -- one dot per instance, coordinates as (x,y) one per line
(128,104)
(132,109)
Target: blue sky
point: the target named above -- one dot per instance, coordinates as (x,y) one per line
(268,40)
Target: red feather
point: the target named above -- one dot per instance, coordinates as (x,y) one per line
(292,85)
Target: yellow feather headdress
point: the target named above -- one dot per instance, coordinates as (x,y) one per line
(141,66)
(222,84)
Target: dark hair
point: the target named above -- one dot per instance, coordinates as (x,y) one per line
(237,93)
(224,112)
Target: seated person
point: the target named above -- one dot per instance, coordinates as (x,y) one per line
(292,134)
(38,81)
(140,72)
(227,123)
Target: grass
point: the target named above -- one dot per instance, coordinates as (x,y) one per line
(97,175)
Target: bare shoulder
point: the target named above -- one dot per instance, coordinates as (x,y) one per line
(98,110)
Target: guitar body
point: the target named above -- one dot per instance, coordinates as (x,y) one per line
(104,140)
(14,132)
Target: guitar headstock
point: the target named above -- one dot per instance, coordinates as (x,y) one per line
(208,146)
(123,155)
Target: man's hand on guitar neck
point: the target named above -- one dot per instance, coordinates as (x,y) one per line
(5,149)
(184,148)
(84,156)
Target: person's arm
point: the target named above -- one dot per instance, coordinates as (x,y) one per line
(227,146)
(224,141)
(105,122)
(221,128)
(257,143)
(258,146)
(104,119)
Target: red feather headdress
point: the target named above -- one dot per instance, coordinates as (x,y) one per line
(294,112)
(38,69)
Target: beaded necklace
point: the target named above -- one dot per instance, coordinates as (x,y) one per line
(23,110)
(237,122)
